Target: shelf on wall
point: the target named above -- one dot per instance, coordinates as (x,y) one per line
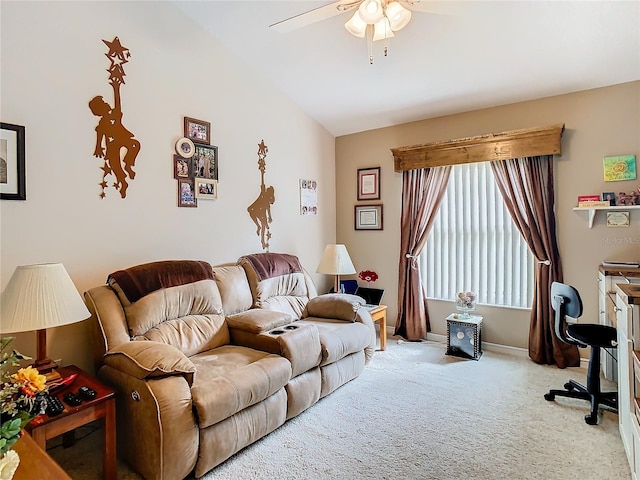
(592,210)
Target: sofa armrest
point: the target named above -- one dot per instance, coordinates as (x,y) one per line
(339,306)
(147,359)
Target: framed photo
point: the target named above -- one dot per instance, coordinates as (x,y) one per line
(622,167)
(197,131)
(205,162)
(186,193)
(185,147)
(617,219)
(609,197)
(206,189)
(369,183)
(13,185)
(368,217)
(182,167)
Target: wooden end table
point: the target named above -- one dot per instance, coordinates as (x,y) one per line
(379,314)
(35,462)
(103,406)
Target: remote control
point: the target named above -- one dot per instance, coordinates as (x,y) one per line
(54,406)
(87,393)
(71,399)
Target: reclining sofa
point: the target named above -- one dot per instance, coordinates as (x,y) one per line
(206,360)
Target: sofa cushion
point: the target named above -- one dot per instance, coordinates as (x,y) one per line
(278,275)
(189,317)
(339,339)
(234,288)
(232,378)
(150,359)
(334,305)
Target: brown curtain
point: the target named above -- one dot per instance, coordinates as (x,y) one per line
(422,192)
(526,185)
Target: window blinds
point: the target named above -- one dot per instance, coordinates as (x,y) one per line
(475,246)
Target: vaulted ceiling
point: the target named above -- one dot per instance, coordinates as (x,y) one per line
(457,56)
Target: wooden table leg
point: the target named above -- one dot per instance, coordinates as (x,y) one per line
(109,457)
(383,331)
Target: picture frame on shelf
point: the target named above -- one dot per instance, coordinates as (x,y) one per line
(609,197)
(197,131)
(186,193)
(206,189)
(369,183)
(182,167)
(13,185)
(205,162)
(368,217)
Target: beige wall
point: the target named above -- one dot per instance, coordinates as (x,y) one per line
(599,123)
(53,63)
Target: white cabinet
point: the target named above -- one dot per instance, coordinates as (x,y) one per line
(608,278)
(628,327)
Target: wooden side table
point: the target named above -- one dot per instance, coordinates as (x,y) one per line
(379,314)
(35,462)
(103,406)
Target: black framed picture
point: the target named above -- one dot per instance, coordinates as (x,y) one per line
(205,162)
(13,185)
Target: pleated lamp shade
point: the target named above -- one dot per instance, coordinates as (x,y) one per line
(336,261)
(38,297)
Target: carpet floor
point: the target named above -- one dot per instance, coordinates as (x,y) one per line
(417,413)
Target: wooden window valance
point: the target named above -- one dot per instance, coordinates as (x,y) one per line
(527,142)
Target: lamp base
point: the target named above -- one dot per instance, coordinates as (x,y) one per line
(45,366)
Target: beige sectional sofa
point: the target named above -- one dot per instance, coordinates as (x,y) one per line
(206,360)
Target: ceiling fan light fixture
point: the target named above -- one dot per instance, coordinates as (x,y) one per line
(398,15)
(356,26)
(371,11)
(382,30)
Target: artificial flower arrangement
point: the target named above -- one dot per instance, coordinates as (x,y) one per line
(368,276)
(22,396)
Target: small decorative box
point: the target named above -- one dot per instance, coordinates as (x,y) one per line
(464,336)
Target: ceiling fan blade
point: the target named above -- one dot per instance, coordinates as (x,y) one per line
(315,15)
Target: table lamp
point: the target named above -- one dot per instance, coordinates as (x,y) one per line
(38,297)
(336,261)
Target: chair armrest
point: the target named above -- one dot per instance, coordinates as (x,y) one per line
(142,359)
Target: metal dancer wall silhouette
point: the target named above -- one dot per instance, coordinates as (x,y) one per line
(260,210)
(114,142)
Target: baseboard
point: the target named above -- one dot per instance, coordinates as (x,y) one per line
(496,347)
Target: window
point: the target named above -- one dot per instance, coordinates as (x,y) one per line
(475,246)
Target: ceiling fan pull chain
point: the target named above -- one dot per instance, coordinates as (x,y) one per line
(370,43)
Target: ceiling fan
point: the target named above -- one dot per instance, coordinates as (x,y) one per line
(375,19)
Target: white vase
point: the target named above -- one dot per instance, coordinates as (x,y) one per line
(9,464)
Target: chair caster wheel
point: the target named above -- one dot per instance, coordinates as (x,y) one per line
(591,419)
(569,387)
(550,397)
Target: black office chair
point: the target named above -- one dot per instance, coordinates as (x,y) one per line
(565,300)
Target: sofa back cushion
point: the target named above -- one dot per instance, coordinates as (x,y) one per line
(187,314)
(277,282)
(234,288)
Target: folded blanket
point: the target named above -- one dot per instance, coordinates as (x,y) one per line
(136,282)
(270,265)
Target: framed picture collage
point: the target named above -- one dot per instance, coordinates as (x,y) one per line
(195,164)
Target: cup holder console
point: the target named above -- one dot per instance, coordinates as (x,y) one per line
(283,330)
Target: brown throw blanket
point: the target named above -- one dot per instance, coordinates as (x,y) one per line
(269,265)
(138,281)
